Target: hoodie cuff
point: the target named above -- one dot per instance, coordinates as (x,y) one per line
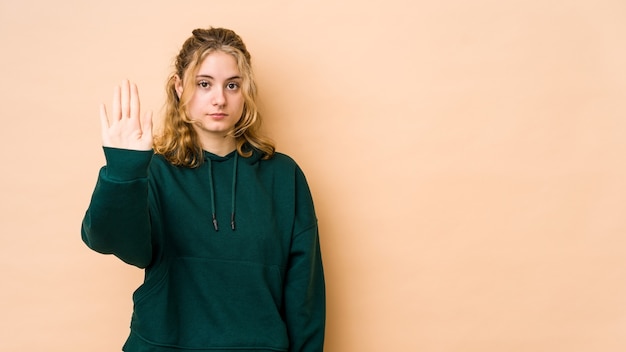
(125,165)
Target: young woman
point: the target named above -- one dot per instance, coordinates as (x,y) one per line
(223,225)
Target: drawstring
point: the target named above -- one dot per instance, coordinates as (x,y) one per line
(212,195)
(232,204)
(233,193)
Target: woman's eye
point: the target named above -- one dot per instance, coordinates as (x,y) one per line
(232,86)
(204,84)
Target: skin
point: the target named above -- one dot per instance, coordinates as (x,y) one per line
(215,106)
(217,102)
(125,129)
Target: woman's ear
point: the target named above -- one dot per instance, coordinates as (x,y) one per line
(178,85)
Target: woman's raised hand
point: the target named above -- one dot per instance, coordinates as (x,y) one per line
(125,129)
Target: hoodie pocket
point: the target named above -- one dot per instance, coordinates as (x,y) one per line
(205,303)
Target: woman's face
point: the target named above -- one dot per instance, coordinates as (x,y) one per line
(217,102)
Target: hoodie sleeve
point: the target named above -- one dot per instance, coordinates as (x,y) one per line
(305,298)
(118,218)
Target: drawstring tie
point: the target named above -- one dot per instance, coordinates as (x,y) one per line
(234,184)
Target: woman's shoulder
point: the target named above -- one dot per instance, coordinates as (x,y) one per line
(280,160)
(160,164)
(283,158)
(160,161)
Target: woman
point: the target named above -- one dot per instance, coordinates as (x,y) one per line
(223,225)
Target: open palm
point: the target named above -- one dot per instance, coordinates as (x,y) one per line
(125,129)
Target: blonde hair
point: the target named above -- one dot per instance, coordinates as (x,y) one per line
(178,142)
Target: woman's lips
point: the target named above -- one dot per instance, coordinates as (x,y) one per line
(218,116)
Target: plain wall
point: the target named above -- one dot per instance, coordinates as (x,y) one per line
(467,160)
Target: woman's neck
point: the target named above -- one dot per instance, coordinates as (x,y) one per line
(219,145)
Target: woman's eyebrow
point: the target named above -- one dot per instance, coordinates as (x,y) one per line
(211,77)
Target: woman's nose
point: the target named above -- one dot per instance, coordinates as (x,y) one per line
(218,97)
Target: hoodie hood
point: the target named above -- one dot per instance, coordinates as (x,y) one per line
(254,158)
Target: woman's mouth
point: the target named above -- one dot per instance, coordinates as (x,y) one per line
(218,115)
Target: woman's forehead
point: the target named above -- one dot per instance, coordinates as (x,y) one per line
(219,64)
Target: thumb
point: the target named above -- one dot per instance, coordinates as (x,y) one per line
(104,122)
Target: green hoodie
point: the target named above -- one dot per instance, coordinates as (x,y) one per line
(230,250)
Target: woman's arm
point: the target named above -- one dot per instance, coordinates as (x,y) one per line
(118,218)
(305,297)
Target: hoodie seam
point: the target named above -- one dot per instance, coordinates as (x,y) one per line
(306,229)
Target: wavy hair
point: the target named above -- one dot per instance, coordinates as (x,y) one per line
(178,142)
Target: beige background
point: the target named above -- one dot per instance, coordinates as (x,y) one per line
(467,159)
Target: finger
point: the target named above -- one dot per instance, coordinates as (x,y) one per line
(125,103)
(134,101)
(115,108)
